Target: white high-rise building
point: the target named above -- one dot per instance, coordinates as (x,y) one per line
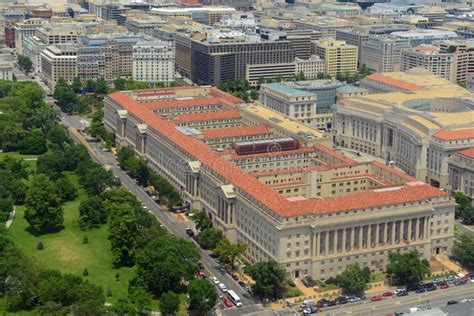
(153,61)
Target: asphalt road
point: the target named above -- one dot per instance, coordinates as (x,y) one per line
(433,299)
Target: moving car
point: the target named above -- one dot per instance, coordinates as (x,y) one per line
(222,287)
(452,302)
(189,232)
(214,280)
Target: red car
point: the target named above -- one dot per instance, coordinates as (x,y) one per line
(228,302)
(376,298)
(387,294)
(444,286)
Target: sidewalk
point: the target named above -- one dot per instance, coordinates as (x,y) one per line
(11,216)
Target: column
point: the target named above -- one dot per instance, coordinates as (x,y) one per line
(336,241)
(392,241)
(385,232)
(352,243)
(369,236)
(361,235)
(427,227)
(344,240)
(415,229)
(420,228)
(402,230)
(410,229)
(318,236)
(377,234)
(326,246)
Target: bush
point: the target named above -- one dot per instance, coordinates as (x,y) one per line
(293,292)
(40,246)
(291,282)
(331,280)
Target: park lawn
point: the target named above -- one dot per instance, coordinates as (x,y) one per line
(17,155)
(65,251)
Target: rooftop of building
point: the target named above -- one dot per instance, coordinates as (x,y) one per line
(425,33)
(245,183)
(194,9)
(469,153)
(288,90)
(455,134)
(315,84)
(236,131)
(350,88)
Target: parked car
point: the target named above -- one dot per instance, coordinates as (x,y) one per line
(387,294)
(402,293)
(201,266)
(214,280)
(444,286)
(189,232)
(341,300)
(235,277)
(376,298)
(323,302)
(242,284)
(412,287)
(398,291)
(452,302)
(420,290)
(308,281)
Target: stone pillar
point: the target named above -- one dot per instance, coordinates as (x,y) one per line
(392,241)
(385,232)
(318,236)
(336,241)
(344,240)
(377,235)
(410,229)
(369,236)
(427,227)
(415,229)
(361,235)
(352,242)
(326,246)
(402,230)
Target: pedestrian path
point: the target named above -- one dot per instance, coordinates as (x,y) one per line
(11,216)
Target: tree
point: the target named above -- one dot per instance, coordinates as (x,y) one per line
(209,238)
(25,63)
(101,86)
(57,135)
(123,235)
(96,179)
(165,262)
(124,154)
(51,164)
(90,86)
(254,94)
(353,280)
(463,202)
(65,189)
(120,83)
(43,210)
(76,85)
(44,118)
(169,303)
(229,252)
(407,268)
(64,95)
(270,279)
(202,220)
(92,212)
(463,251)
(202,296)
(34,143)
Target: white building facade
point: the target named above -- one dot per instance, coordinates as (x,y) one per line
(153,61)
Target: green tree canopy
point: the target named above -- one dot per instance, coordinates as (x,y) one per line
(169,303)
(202,296)
(229,252)
(209,238)
(202,220)
(34,143)
(92,212)
(270,279)
(354,279)
(463,251)
(407,268)
(43,209)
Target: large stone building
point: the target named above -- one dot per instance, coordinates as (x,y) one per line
(58,61)
(290,199)
(431,58)
(383,53)
(153,61)
(224,55)
(339,57)
(416,121)
(461,172)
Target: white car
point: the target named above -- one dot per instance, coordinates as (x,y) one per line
(398,291)
(222,287)
(214,280)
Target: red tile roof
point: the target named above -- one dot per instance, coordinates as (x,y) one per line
(208,116)
(236,131)
(394,82)
(469,153)
(273,153)
(247,183)
(457,134)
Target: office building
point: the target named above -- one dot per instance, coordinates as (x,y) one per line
(310,68)
(425,36)
(461,172)
(417,126)
(308,207)
(32,48)
(6,71)
(143,24)
(107,56)
(59,33)
(224,55)
(463,56)
(339,57)
(429,57)
(383,53)
(153,61)
(205,15)
(25,29)
(58,61)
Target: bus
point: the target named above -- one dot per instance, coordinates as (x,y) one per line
(234,298)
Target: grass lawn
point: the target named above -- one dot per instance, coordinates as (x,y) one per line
(378,277)
(15,154)
(65,251)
